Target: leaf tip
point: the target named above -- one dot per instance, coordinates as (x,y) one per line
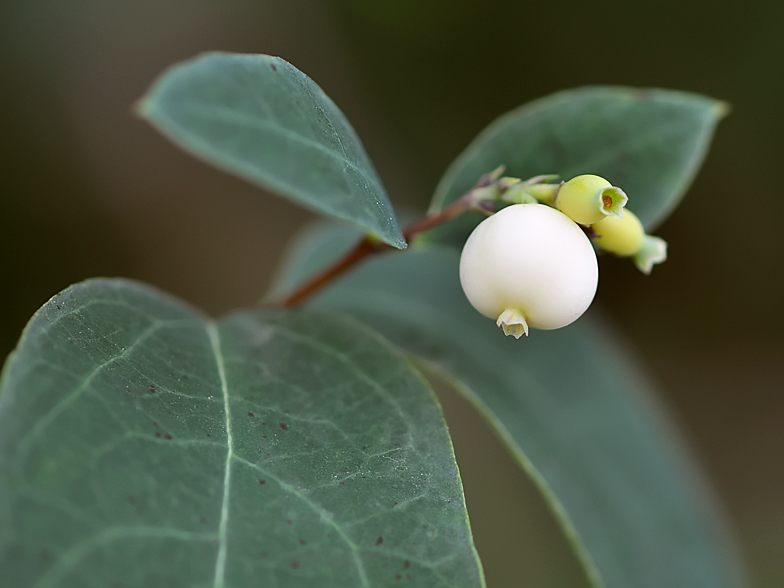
(392,237)
(141,107)
(721,109)
(400,243)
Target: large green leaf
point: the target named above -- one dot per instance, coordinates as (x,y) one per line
(261,118)
(572,408)
(649,142)
(143,445)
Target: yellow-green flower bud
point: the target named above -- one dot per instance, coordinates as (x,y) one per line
(530,191)
(626,237)
(518,194)
(545,193)
(622,236)
(588,199)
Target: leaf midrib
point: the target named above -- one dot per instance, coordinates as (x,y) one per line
(220,560)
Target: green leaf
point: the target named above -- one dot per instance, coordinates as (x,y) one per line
(261,118)
(649,142)
(144,445)
(573,410)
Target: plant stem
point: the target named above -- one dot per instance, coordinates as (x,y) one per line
(364,247)
(369,246)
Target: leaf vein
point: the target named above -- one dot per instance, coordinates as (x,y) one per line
(68,560)
(345,359)
(220,561)
(74,395)
(323,514)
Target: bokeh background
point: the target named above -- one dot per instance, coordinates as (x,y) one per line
(88,189)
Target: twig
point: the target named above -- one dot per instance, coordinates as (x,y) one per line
(370,246)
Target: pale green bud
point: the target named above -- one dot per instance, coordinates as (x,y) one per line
(532,190)
(622,236)
(626,237)
(545,193)
(518,194)
(588,199)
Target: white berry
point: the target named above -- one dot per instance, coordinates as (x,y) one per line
(529,265)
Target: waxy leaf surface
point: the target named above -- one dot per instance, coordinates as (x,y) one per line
(143,445)
(649,142)
(261,118)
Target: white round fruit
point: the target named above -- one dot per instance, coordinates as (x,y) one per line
(529,265)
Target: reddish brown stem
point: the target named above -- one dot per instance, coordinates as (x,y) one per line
(363,248)
(457,207)
(368,246)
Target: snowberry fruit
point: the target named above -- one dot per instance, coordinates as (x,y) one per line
(529,265)
(588,199)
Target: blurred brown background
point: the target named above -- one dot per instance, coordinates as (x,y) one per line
(87,189)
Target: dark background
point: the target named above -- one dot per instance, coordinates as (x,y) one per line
(88,189)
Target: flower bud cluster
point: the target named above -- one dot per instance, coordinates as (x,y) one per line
(591,200)
(532,264)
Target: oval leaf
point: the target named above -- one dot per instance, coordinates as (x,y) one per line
(649,142)
(261,118)
(144,445)
(571,407)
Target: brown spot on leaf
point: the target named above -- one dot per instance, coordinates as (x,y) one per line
(250,414)
(155,423)
(295,565)
(406,564)
(302,542)
(284,426)
(398,576)
(167,436)
(272,65)
(157,433)
(152,389)
(262,482)
(379,541)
